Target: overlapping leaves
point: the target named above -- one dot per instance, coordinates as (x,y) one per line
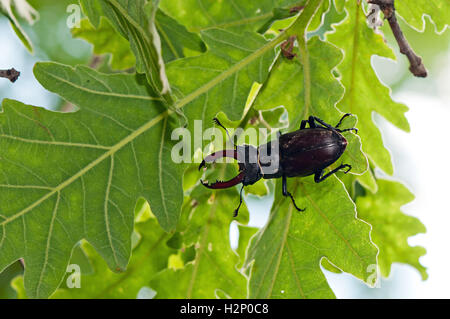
(72,176)
(135,21)
(285,256)
(310,90)
(102,158)
(238,16)
(365,93)
(207,228)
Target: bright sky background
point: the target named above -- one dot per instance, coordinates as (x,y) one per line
(421,161)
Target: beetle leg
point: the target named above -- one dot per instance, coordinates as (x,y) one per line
(287,194)
(348,129)
(236,211)
(303,124)
(313,119)
(318,175)
(311,122)
(342,118)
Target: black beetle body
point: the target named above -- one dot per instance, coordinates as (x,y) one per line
(304,152)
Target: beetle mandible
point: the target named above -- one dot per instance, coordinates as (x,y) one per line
(304,152)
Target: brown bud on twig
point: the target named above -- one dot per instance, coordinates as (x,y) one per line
(416,66)
(11,74)
(287,48)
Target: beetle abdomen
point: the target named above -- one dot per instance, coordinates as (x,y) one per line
(306,151)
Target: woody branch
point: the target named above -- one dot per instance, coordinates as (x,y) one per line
(416,66)
(11,74)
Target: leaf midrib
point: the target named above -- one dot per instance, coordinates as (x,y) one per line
(94,163)
(179,104)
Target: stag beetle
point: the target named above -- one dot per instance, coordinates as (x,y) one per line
(300,153)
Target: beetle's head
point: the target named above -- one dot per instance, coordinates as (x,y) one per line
(249,170)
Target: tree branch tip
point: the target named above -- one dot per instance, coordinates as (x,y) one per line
(416,66)
(10,74)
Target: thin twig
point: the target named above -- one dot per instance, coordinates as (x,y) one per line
(11,74)
(416,66)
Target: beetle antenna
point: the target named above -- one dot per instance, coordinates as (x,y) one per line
(240,203)
(216,120)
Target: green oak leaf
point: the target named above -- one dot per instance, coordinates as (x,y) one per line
(318,18)
(412,13)
(98,158)
(238,16)
(339,5)
(93,11)
(245,235)
(135,21)
(214,267)
(176,41)
(27,12)
(364,93)
(18,286)
(368,181)
(306,87)
(106,40)
(149,257)
(83,174)
(391,227)
(224,74)
(285,255)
